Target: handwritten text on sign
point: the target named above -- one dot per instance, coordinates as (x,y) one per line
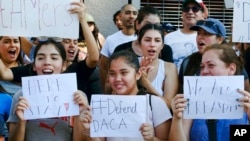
(241,21)
(213,97)
(117,116)
(50,95)
(38,18)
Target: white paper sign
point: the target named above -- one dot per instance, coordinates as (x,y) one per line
(34,18)
(50,95)
(213,97)
(241,21)
(229,3)
(117,116)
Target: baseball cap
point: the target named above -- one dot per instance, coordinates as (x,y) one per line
(168,27)
(198,2)
(89,18)
(212,26)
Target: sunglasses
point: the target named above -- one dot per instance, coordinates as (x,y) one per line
(194,9)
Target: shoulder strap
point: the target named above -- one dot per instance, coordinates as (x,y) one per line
(150,103)
(212,132)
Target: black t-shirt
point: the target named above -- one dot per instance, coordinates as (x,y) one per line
(22,71)
(166,52)
(83,73)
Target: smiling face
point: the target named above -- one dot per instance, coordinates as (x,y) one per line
(48,60)
(151,44)
(71,47)
(212,65)
(190,17)
(123,77)
(9,49)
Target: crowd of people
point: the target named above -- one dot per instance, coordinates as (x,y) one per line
(144,57)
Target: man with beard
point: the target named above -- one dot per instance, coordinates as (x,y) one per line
(128,16)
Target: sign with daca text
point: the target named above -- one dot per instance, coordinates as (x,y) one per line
(117,115)
(241,21)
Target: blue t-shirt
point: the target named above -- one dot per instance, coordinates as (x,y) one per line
(5,103)
(199,130)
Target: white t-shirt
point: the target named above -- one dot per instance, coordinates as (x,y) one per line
(112,41)
(182,45)
(159,114)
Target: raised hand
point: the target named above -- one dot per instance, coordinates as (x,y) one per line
(178,105)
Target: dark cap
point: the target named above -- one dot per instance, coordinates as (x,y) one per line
(168,27)
(212,26)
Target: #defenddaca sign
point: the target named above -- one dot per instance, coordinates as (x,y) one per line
(117,115)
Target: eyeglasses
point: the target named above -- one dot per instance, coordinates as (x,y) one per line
(194,9)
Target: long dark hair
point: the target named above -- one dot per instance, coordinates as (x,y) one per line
(145,11)
(19,59)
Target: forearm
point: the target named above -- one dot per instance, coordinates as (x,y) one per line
(176,131)
(93,52)
(17,133)
(26,45)
(78,134)
(5,73)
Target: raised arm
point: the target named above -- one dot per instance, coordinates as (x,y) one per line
(5,73)
(180,127)
(93,52)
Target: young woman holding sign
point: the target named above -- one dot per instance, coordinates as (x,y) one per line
(49,59)
(123,76)
(217,60)
(83,69)
(10,56)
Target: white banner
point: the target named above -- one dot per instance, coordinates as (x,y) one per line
(213,97)
(50,95)
(32,18)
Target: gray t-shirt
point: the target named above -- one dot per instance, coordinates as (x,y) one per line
(52,129)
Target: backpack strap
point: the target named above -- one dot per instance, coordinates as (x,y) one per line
(212,132)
